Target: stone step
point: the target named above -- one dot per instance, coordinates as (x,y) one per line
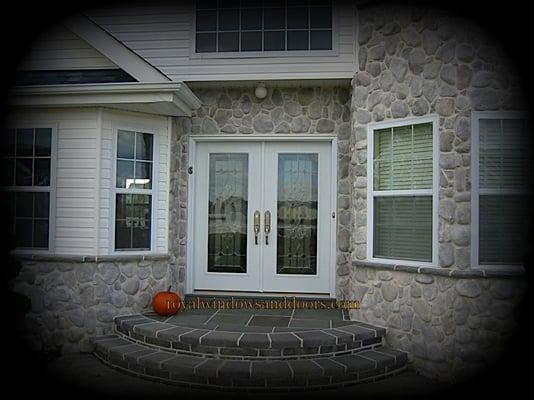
(251,375)
(242,344)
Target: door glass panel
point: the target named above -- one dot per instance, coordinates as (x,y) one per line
(227,212)
(297,214)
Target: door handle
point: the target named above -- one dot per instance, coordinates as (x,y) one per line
(256,226)
(267,225)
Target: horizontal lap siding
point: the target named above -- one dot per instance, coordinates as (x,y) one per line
(113,120)
(162,35)
(77,132)
(60,49)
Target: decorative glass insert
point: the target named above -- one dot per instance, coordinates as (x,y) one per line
(134,187)
(227,212)
(402,192)
(133,217)
(403,228)
(26,161)
(245,26)
(504,198)
(297,214)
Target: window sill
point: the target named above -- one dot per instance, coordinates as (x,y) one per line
(472,273)
(91,259)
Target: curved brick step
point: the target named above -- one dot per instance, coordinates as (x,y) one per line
(296,344)
(251,375)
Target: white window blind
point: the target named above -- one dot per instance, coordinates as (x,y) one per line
(402,192)
(502,190)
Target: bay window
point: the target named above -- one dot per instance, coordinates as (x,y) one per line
(27,182)
(134,188)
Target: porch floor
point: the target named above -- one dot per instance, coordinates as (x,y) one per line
(257,320)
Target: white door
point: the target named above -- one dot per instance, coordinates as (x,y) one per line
(263,216)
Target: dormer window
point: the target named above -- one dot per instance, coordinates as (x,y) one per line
(226,26)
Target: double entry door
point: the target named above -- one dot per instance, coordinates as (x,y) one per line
(263,216)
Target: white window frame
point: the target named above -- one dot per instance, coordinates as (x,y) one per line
(152,192)
(334,52)
(434,192)
(476,116)
(46,189)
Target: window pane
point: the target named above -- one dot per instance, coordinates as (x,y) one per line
(143,175)
(205,42)
(229,41)
(41,205)
(125,174)
(321,17)
(41,172)
(24,172)
(403,228)
(144,146)
(253,3)
(321,40)
(274,41)
(24,142)
(9,149)
(24,205)
(122,207)
(23,231)
(201,4)
(43,140)
(206,21)
(503,229)
(228,20)
(297,18)
(229,3)
(40,234)
(125,144)
(251,19)
(8,170)
(504,154)
(251,41)
(141,234)
(123,235)
(297,40)
(274,18)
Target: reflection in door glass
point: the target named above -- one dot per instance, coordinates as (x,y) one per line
(227,213)
(297,214)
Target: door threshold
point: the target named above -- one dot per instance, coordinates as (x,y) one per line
(224,293)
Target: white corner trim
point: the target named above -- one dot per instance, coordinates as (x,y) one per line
(114,50)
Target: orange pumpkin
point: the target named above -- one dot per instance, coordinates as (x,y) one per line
(166,303)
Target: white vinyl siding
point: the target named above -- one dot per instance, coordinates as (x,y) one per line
(402,191)
(60,49)
(500,189)
(84,143)
(164,36)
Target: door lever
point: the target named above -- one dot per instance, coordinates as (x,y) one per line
(256,226)
(267,225)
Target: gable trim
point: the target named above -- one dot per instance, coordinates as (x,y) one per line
(114,50)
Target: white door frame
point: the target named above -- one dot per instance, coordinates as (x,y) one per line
(194,139)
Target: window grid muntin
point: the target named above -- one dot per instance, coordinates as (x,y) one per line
(134,191)
(14,190)
(285,29)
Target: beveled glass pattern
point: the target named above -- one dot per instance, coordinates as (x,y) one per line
(227,212)
(296,250)
(133,221)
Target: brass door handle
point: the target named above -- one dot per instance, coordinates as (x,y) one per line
(267,226)
(256,226)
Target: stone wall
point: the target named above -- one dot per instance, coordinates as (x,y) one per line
(454,320)
(73,301)
(453,327)
(285,111)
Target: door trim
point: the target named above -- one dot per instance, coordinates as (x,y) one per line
(194,139)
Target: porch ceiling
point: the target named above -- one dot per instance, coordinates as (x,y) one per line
(162,98)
